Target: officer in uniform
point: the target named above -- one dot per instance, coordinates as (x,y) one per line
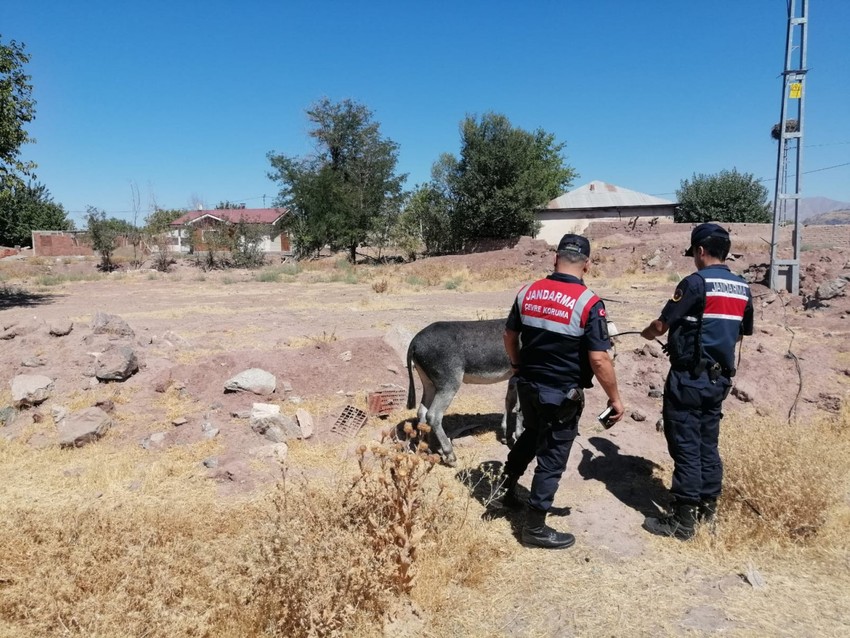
(557,339)
(710,311)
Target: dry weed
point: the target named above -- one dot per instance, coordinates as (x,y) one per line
(783,483)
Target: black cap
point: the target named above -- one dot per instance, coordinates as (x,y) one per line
(703,232)
(575,243)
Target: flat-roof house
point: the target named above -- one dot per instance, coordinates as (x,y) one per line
(573,211)
(193,228)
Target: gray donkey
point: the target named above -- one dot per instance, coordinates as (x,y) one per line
(449,353)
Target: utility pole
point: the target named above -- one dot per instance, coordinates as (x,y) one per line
(785,272)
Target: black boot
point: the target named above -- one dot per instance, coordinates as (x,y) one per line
(536,533)
(508,496)
(707,511)
(681,524)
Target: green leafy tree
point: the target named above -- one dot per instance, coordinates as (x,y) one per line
(17,108)
(727,196)
(339,195)
(25,208)
(159,221)
(104,233)
(503,175)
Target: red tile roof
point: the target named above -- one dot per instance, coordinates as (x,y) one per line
(234,215)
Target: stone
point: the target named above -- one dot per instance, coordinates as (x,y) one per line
(117,363)
(305,423)
(287,386)
(179,421)
(252,380)
(61,327)
(398,338)
(267,421)
(392,369)
(638,416)
(655,393)
(345,356)
(209,430)
(659,425)
(155,441)
(743,394)
(34,362)
(7,415)
(81,428)
(30,389)
(58,413)
(831,289)
(211,462)
(162,383)
(106,324)
(275,451)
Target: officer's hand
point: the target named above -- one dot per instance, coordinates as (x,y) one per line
(619,410)
(647,333)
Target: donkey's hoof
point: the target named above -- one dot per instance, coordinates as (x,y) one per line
(450,460)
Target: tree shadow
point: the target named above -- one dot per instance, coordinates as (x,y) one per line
(629,478)
(483,485)
(12,297)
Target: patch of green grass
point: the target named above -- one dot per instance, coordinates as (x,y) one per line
(268,276)
(453,283)
(58,280)
(416,280)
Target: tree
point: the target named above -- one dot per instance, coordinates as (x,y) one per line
(228,205)
(728,196)
(17,108)
(159,221)
(503,175)
(25,208)
(338,196)
(104,233)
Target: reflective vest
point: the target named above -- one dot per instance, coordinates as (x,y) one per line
(554,314)
(710,334)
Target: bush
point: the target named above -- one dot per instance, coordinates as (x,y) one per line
(728,196)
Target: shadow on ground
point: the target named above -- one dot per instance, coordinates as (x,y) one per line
(11,297)
(629,478)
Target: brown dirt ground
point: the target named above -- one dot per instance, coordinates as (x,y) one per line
(199,329)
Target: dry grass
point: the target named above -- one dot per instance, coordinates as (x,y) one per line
(104,547)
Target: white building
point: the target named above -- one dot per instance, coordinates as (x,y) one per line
(572,212)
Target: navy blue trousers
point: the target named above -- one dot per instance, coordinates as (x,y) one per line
(692,413)
(551,426)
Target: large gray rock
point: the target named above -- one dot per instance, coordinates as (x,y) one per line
(117,363)
(252,380)
(305,423)
(267,421)
(111,325)
(398,338)
(831,289)
(30,389)
(83,427)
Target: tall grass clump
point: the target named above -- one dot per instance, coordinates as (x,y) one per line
(784,483)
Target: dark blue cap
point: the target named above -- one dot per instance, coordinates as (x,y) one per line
(704,232)
(574,243)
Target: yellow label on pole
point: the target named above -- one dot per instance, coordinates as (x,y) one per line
(796,91)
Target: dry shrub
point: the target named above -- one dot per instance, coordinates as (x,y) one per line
(783,482)
(380,286)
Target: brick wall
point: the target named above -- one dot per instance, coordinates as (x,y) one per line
(49,243)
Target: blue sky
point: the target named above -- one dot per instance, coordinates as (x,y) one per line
(185,99)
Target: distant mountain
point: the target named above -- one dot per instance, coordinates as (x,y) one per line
(831,218)
(810,206)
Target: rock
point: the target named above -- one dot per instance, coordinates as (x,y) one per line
(287,386)
(162,383)
(659,425)
(638,416)
(155,441)
(105,324)
(655,261)
(7,415)
(61,327)
(241,414)
(267,421)
(829,402)
(392,369)
(179,421)
(398,338)
(107,405)
(831,289)
(17,330)
(58,413)
(117,363)
(295,399)
(30,389)
(655,393)
(34,362)
(345,356)
(252,380)
(84,427)
(209,430)
(649,350)
(172,340)
(305,423)
(211,462)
